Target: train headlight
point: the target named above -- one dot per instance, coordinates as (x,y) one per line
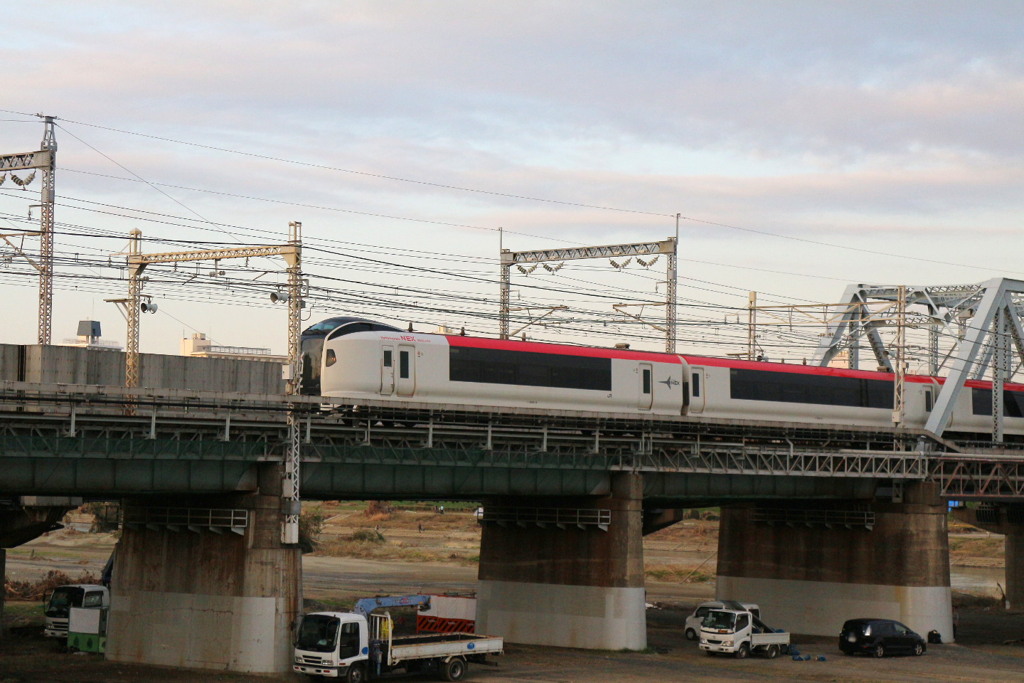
(331,359)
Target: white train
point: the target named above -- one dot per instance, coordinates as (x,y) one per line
(356,358)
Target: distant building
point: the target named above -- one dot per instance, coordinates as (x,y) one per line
(202,347)
(89,333)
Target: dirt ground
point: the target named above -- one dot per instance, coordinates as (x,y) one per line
(420,550)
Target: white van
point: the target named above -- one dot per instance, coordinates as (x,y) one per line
(694,621)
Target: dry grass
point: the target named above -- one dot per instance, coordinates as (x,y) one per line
(981,551)
(37,590)
(676,574)
(359,546)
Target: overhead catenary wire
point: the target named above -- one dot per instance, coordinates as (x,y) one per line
(572,289)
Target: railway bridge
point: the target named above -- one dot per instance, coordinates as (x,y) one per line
(819,521)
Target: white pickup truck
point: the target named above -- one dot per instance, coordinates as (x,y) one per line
(362,646)
(740,633)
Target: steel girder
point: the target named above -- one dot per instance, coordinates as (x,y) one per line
(86,449)
(994,310)
(967,478)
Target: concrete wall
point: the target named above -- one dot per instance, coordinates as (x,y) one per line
(76,365)
(811,579)
(9,362)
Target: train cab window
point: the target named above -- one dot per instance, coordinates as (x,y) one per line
(647,381)
(349,329)
(330,358)
(387,358)
(403,364)
(696,384)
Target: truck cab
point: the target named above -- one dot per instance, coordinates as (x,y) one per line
(331,644)
(740,633)
(58,606)
(694,621)
(360,646)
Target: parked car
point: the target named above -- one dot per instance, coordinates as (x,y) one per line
(879,637)
(693,622)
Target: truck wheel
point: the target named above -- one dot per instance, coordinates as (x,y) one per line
(356,674)
(454,669)
(743,652)
(691,634)
(772,652)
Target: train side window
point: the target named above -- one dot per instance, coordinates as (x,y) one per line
(696,384)
(928,400)
(647,381)
(387,358)
(403,364)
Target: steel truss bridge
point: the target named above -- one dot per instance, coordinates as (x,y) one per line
(111,442)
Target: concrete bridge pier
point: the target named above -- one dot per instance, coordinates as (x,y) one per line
(3,572)
(811,567)
(559,576)
(1013,545)
(205,583)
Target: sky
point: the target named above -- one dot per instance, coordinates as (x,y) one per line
(804,146)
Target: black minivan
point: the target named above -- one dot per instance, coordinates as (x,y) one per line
(879,637)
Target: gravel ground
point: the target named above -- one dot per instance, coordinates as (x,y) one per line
(27,657)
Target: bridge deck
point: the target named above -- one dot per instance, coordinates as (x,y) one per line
(77,439)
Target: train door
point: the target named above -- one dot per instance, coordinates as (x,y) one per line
(387,370)
(698,387)
(406,382)
(646,397)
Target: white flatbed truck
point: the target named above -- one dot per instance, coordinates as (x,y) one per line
(359,646)
(740,633)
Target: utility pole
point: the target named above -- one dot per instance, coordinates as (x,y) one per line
(292,253)
(752,326)
(44,160)
(46,234)
(899,347)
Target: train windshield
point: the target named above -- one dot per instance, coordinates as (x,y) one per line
(312,346)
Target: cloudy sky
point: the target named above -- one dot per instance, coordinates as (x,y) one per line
(805,145)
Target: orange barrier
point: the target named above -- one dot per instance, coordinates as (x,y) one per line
(444,625)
